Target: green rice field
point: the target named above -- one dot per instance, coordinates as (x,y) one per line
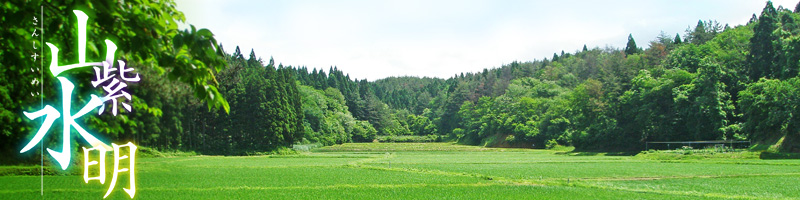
(431,171)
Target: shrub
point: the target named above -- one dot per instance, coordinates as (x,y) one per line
(550,144)
(510,138)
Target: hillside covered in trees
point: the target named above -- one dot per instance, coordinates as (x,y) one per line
(714,82)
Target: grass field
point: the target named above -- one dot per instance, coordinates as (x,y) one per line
(432,171)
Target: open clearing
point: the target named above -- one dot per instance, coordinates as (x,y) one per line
(431,171)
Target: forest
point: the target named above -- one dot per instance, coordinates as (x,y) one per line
(713,82)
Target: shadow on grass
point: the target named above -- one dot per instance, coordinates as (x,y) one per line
(778,155)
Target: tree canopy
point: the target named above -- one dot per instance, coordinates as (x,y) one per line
(733,83)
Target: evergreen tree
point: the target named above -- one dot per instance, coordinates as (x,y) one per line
(631,48)
(333,80)
(797,8)
(253,61)
(237,54)
(762,49)
(271,62)
(698,36)
(591,101)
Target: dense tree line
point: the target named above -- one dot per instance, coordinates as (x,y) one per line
(383,108)
(328,121)
(714,83)
(705,86)
(148,39)
(266,109)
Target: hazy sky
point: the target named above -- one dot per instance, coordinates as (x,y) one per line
(375,39)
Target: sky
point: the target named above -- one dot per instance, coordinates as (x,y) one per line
(440,38)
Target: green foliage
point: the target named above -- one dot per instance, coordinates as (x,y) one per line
(531,111)
(594,99)
(266,111)
(688,92)
(403,147)
(701,87)
(710,106)
(328,120)
(770,109)
(511,138)
(631,47)
(147,36)
(551,144)
(687,57)
(364,132)
(762,50)
(648,109)
(683,91)
(421,125)
(703,32)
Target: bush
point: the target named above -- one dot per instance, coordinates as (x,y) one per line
(276,151)
(510,138)
(550,144)
(147,152)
